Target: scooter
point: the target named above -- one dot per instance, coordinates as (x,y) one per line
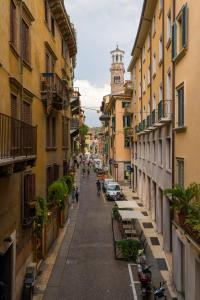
(159,293)
(144,274)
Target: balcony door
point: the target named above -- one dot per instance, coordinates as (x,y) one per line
(15,128)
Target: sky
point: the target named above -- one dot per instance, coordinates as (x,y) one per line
(100,26)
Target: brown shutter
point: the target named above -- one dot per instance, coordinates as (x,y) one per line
(26,117)
(13,106)
(56,171)
(12,22)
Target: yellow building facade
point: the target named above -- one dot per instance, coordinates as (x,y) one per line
(164,70)
(38,49)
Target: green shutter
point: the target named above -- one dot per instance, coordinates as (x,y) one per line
(174,40)
(124,124)
(181,107)
(184,26)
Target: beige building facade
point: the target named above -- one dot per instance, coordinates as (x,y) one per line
(164,70)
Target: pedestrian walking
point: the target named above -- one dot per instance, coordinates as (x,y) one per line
(88,172)
(73,195)
(77,194)
(83,171)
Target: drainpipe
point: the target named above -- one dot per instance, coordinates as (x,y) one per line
(173,104)
(163,54)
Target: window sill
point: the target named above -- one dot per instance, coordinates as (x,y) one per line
(144,60)
(154,75)
(154,34)
(65,148)
(51,148)
(160,13)
(168,43)
(27,65)
(144,92)
(180,129)
(180,55)
(154,163)
(160,166)
(149,84)
(14,49)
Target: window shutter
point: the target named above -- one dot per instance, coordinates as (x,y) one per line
(174,40)
(184,26)
(181,106)
(124,123)
(128,121)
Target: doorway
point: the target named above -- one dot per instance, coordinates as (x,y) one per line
(6,273)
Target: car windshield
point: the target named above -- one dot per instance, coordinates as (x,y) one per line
(113,188)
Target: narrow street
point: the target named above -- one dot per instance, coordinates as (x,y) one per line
(89,270)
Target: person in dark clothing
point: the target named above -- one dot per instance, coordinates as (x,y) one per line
(77,194)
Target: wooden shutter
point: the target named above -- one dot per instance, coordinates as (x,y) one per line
(184,26)
(53,131)
(174,40)
(46,10)
(25,41)
(14,106)
(26,113)
(12,22)
(56,171)
(181,107)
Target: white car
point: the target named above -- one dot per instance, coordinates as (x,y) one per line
(113,188)
(106,182)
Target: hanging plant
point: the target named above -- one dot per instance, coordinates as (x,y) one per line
(57,193)
(69,180)
(41,211)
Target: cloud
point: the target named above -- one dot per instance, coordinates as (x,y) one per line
(91,97)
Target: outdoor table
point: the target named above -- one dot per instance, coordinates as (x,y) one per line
(131,214)
(127,204)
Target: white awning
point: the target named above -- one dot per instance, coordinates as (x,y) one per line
(127,204)
(131,214)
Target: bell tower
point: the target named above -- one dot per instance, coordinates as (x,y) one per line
(117,71)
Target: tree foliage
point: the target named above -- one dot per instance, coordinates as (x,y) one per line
(83,130)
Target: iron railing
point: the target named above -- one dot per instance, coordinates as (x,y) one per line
(51,82)
(164,109)
(17,138)
(74,124)
(153,115)
(148,121)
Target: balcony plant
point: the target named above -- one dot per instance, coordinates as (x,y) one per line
(69,180)
(193,220)
(41,213)
(57,194)
(182,198)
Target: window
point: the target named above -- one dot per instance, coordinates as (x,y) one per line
(14,106)
(25,42)
(160,155)
(154,65)
(117,79)
(47,62)
(180,171)
(144,84)
(125,104)
(143,54)
(148,151)
(26,112)
(65,168)
(64,132)
(154,101)
(169,85)
(154,25)
(46,11)
(179,32)
(140,90)
(160,50)
(12,23)
(160,92)
(28,213)
(126,121)
(52,26)
(169,31)
(180,116)
(55,172)
(50,176)
(168,153)
(149,76)
(51,131)
(148,41)
(154,151)
(127,141)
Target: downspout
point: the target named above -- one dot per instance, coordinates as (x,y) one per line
(163,54)
(173,104)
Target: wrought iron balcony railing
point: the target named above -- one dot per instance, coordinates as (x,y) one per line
(164,109)
(148,121)
(74,124)
(153,117)
(17,138)
(53,90)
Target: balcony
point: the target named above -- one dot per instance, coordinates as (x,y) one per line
(18,145)
(165,111)
(53,91)
(75,102)
(148,121)
(74,127)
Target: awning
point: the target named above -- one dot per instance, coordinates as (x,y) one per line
(130,214)
(127,204)
(74,132)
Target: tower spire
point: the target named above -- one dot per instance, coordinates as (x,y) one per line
(117,70)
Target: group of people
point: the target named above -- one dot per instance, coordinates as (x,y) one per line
(86,168)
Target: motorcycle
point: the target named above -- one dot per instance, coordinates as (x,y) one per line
(144,274)
(159,293)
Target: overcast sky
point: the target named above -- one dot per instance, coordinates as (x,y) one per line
(101,25)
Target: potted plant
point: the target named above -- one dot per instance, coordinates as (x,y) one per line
(193,220)
(181,199)
(129,249)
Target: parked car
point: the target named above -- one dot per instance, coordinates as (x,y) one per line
(105,183)
(113,188)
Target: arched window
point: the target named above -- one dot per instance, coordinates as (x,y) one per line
(117,79)
(117,58)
